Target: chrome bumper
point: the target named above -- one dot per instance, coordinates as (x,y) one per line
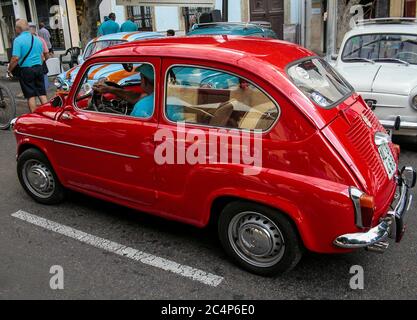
(398,124)
(391,226)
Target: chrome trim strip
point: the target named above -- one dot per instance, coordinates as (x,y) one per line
(79,145)
(97,149)
(355,194)
(34,136)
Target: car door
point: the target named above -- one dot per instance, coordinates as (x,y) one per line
(205,113)
(106,153)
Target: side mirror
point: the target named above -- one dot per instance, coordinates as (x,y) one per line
(333,57)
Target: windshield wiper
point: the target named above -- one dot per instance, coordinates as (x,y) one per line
(359,59)
(393,60)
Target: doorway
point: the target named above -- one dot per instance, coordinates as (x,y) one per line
(271,11)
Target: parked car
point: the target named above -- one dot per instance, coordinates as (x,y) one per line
(253,29)
(64,80)
(329,179)
(379,58)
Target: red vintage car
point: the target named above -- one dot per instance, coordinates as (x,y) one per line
(327,181)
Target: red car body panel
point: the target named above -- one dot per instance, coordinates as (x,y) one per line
(309,163)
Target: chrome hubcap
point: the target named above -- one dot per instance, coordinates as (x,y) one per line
(38,179)
(256,239)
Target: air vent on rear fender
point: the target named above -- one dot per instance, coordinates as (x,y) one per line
(362,138)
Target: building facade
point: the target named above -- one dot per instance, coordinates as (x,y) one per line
(311,23)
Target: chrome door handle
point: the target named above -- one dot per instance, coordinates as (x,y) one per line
(66,116)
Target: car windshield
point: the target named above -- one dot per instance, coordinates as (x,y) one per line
(319,82)
(100,45)
(389,48)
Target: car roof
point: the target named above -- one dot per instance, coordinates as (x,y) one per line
(254,52)
(128,36)
(404,28)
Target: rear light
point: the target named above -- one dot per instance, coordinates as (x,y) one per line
(364,207)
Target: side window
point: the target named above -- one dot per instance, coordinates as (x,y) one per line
(215,98)
(118,88)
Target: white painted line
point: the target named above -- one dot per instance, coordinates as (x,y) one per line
(114,247)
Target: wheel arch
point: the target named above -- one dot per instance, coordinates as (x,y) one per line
(221,201)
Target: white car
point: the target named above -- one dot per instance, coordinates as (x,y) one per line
(379,59)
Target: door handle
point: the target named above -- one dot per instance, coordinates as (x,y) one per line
(66,116)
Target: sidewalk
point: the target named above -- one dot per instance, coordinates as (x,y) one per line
(15,86)
(21,106)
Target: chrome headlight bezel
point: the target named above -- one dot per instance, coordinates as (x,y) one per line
(413,101)
(58,82)
(12,123)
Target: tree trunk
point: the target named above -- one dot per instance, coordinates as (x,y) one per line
(88,20)
(344,20)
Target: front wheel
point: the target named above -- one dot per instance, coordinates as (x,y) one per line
(38,178)
(260,239)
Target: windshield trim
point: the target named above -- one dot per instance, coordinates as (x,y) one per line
(334,104)
(93,43)
(372,34)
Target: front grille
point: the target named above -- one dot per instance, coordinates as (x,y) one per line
(362,138)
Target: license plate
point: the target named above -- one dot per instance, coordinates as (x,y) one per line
(387,160)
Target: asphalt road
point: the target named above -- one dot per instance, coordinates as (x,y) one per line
(27,253)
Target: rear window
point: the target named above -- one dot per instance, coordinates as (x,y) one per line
(319,82)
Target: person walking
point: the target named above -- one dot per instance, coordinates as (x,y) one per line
(109,26)
(45,35)
(129,25)
(32,28)
(26,63)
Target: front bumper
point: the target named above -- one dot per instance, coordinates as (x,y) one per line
(398,124)
(391,226)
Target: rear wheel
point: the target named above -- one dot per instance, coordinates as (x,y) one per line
(7,107)
(38,178)
(260,239)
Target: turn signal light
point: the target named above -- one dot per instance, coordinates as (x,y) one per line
(367,202)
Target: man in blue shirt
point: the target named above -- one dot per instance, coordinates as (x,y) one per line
(143,103)
(109,26)
(28,54)
(129,25)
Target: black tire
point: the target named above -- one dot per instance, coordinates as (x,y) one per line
(7,107)
(289,253)
(33,160)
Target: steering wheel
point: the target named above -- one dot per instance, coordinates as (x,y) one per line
(99,104)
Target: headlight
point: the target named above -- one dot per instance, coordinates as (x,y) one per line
(414,101)
(58,82)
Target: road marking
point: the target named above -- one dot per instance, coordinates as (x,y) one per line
(128,252)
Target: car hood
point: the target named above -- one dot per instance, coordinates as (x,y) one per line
(390,78)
